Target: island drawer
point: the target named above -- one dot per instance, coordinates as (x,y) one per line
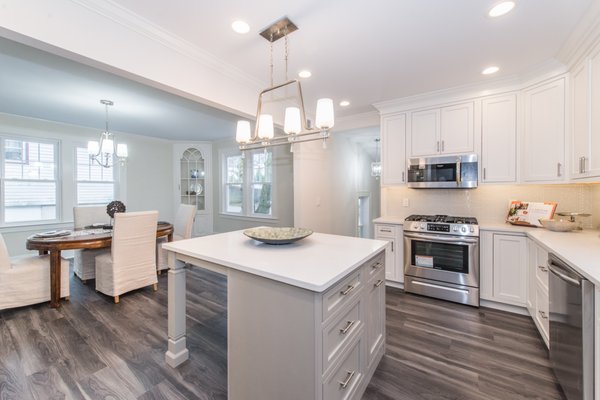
(375,265)
(339,333)
(385,230)
(341,294)
(342,384)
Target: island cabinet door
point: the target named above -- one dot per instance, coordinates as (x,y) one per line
(375,311)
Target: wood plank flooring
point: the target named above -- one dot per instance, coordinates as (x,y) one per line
(93,349)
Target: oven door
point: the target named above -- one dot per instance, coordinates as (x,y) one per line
(442,258)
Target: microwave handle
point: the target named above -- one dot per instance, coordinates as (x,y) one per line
(458,172)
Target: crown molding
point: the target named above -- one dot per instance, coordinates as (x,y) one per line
(537,73)
(118,14)
(583,37)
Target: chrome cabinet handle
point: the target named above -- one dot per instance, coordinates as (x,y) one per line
(402,177)
(582,165)
(484,173)
(348,290)
(378,283)
(344,384)
(558,167)
(542,268)
(442,145)
(438,146)
(392,246)
(386,230)
(345,329)
(543,314)
(377,265)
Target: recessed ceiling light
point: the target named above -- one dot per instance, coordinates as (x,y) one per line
(304,74)
(240,27)
(490,70)
(344,103)
(501,8)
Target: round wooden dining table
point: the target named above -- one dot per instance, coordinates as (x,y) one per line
(78,239)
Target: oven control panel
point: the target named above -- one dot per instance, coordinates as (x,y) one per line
(446,229)
(438,227)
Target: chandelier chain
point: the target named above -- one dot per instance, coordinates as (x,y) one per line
(286,54)
(271,66)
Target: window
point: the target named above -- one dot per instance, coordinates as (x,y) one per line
(248,184)
(95,184)
(29,187)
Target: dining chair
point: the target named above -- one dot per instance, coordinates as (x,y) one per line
(25,280)
(182,229)
(131,263)
(84,261)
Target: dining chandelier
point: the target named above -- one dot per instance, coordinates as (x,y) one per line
(296,127)
(105,151)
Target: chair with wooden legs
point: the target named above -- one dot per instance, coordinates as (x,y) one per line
(131,263)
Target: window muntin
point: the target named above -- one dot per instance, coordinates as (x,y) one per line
(95,185)
(30,180)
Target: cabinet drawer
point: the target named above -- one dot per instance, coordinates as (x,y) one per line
(341,294)
(374,266)
(338,334)
(541,270)
(342,384)
(385,231)
(542,307)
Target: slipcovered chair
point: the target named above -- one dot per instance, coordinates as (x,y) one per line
(182,229)
(84,261)
(25,280)
(131,263)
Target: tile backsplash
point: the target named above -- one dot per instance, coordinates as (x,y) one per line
(489,203)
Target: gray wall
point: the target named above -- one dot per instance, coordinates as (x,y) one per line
(283,196)
(146,182)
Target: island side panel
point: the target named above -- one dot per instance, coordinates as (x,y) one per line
(177,351)
(271,339)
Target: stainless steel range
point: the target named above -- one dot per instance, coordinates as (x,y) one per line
(441,257)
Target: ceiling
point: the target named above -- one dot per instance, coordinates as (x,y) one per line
(362,52)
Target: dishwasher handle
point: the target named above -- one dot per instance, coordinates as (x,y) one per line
(559,271)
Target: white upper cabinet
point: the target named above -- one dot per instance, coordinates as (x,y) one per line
(424,133)
(456,129)
(445,130)
(585,153)
(393,149)
(499,139)
(544,133)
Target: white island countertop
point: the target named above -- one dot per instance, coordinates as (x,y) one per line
(314,263)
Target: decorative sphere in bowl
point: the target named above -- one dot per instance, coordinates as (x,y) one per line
(558,225)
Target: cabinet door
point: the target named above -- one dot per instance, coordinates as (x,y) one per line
(375,318)
(531,276)
(581,122)
(399,256)
(499,139)
(592,166)
(544,155)
(424,133)
(393,149)
(456,129)
(510,269)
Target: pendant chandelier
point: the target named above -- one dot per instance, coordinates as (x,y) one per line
(105,151)
(376,165)
(296,127)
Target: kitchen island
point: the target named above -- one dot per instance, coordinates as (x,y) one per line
(304,320)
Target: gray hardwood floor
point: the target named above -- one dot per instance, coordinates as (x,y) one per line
(93,349)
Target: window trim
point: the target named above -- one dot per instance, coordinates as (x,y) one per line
(57,143)
(247,209)
(115,181)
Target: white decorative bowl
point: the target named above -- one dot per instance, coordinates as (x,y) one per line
(558,225)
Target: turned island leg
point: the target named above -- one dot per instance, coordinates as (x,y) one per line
(177,351)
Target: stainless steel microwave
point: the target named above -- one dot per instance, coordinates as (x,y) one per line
(448,172)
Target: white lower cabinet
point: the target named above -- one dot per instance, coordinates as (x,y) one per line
(394,256)
(538,303)
(503,268)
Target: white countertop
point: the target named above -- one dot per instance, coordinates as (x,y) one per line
(314,263)
(389,220)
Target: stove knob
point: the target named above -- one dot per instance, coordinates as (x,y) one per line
(423,226)
(455,229)
(463,229)
(471,229)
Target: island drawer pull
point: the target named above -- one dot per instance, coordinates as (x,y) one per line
(542,268)
(543,314)
(386,230)
(377,265)
(345,383)
(345,329)
(348,290)
(378,283)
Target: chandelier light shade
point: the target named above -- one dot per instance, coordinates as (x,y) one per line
(295,124)
(104,151)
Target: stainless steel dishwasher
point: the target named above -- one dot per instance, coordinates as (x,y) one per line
(571,330)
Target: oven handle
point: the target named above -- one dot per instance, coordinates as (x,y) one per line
(440,238)
(458,172)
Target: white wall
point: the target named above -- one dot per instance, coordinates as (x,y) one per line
(145,182)
(489,203)
(327,182)
(283,194)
